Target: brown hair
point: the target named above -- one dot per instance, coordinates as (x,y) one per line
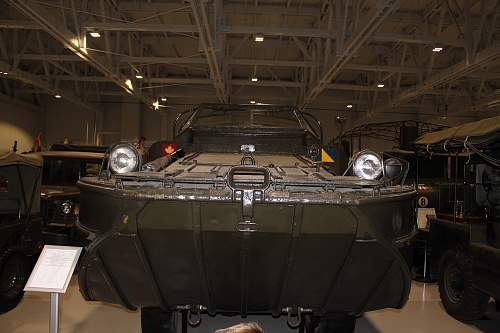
(242,328)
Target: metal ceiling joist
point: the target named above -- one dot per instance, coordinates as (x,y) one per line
(483,58)
(204,30)
(231,61)
(57,29)
(382,37)
(28,78)
(382,11)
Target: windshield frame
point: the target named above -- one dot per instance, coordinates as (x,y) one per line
(302,124)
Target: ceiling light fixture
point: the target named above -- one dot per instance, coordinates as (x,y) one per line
(57,96)
(437,49)
(129,85)
(380,85)
(259,38)
(95,34)
(252,102)
(163,99)
(139,76)
(349,106)
(255,79)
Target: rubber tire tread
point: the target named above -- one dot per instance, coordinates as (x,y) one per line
(346,324)
(7,304)
(155,320)
(473,303)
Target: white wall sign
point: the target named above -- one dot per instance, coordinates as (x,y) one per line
(54,269)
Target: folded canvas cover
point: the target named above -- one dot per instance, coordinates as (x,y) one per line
(477,129)
(8,157)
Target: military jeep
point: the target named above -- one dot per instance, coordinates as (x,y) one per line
(237,215)
(20,224)
(63,165)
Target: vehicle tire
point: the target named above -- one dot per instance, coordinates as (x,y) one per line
(337,324)
(15,268)
(461,299)
(155,320)
(311,323)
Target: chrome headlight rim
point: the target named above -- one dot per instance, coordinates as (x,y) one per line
(358,162)
(123,148)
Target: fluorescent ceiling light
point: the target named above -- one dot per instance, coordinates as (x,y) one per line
(163,99)
(95,34)
(259,38)
(437,49)
(252,102)
(57,96)
(380,85)
(255,79)
(139,76)
(349,106)
(129,85)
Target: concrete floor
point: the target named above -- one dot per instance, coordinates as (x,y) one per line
(423,313)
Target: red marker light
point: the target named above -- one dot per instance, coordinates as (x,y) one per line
(168,149)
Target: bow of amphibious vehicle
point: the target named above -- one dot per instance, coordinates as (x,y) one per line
(251,231)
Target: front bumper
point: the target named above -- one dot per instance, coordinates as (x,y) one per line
(327,258)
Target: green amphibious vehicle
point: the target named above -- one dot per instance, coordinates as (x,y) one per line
(238,216)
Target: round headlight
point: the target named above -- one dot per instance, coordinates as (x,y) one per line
(124,158)
(393,169)
(66,207)
(367,165)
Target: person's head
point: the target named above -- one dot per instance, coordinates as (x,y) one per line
(242,328)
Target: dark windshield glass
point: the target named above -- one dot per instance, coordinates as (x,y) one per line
(67,171)
(228,117)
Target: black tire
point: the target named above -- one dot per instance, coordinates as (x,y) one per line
(461,299)
(310,323)
(337,324)
(155,320)
(15,268)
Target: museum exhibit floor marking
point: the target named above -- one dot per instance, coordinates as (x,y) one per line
(423,314)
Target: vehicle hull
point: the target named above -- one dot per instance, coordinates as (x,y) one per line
(157,251)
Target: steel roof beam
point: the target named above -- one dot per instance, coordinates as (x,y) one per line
(483,58)
(382,11)
(37,81)
(243,30)
(231,61)
(57,29)
(205,33)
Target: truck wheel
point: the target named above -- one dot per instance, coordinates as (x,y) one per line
(155,320)
(14,273)
(461,299)
(337,324)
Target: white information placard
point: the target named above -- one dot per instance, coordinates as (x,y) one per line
(54,269)
(422,214)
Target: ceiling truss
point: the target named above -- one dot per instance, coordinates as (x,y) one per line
(373,55)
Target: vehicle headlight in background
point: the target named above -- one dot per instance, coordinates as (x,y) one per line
(124,158)
(393,169)
(66,207)
(367,165)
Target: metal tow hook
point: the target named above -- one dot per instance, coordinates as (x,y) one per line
(194,316)
(294,316)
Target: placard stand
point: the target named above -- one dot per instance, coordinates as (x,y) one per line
(52,273)
(54,313)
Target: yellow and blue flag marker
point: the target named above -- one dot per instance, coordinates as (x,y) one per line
(327,155)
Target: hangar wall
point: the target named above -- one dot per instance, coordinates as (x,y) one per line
(18,123)
(129,120)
